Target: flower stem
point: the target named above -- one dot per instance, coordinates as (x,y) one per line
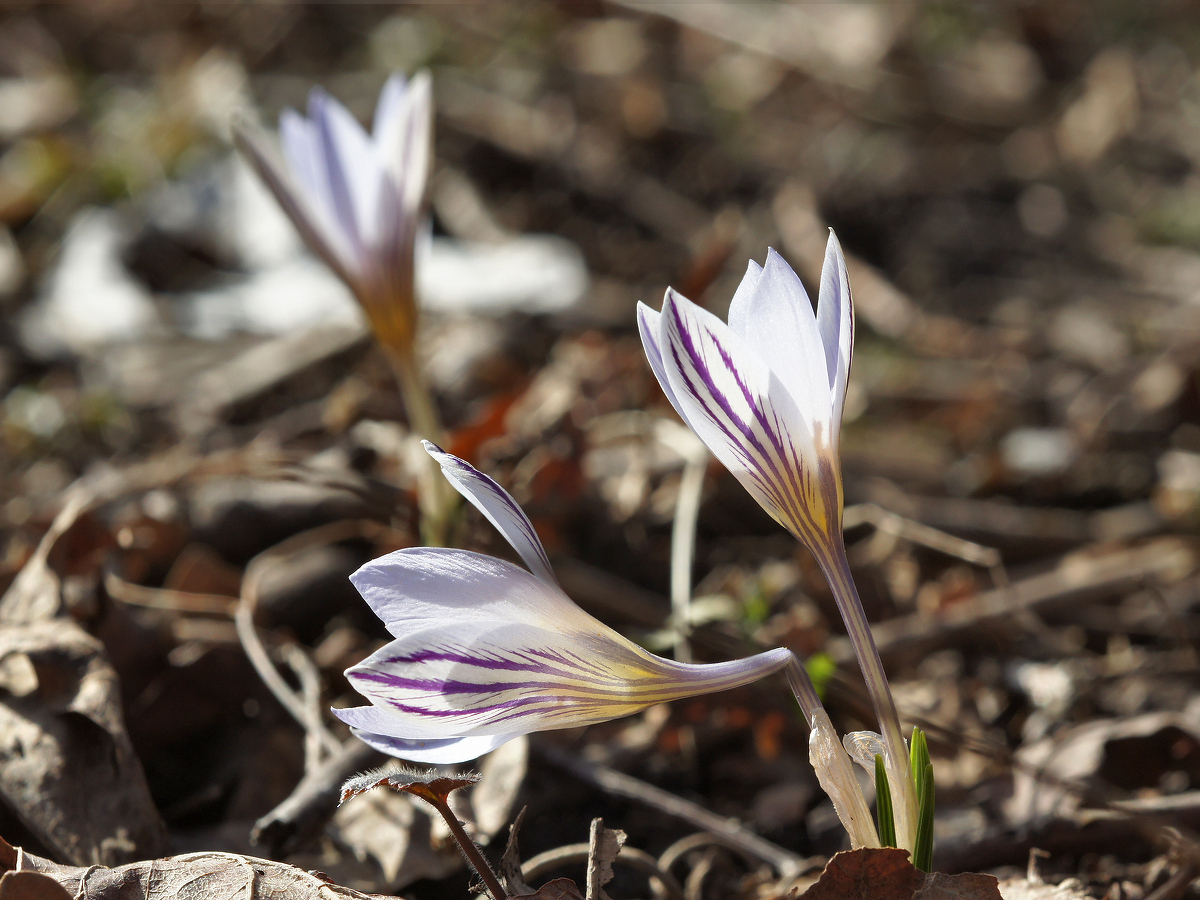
(803,688)
(473,854)
(896,758)
(437,498)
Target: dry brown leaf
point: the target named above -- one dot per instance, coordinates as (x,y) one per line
(603,848)
(558,889)
(967,886)
(888,875)
(1129,753)
(67,766)
(1024,889)
(31,886)
(194,876)
(510,862)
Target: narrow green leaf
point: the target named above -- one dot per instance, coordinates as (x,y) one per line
(883,805)
(918,757)
(923,851)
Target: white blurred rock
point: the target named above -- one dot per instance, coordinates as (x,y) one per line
(1085,333)
(298,294)
(1038,451)
(89,299)
(533,273)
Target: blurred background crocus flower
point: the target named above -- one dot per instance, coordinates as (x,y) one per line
(486,651)
(357,198)
(765,393)
(358,201)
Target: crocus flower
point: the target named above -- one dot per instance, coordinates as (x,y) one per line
(486,651)
(766,392)
(356,198)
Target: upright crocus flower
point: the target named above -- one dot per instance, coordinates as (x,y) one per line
(766,394)
(486,651)
(357,199)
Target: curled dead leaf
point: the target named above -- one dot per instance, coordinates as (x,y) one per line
(194,876)
(887,874)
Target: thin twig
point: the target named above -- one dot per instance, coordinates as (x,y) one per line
(927,536)
(1175,886)
(310,692)
(302,816)
(667,885)
(244,619)
(165,598)
(731,832)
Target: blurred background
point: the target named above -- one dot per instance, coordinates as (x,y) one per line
(1016,186)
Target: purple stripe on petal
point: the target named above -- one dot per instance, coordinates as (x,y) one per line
(500,509)
(735,407)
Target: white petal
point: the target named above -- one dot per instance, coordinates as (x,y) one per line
(389,108)
(302,203)
(462,678)
(302,150)
(404,135)
(772,313)
(353,172)
(437,753)
(649,327)
(422,586)
(749,421)
(739,306)
(499,507)
(835,319)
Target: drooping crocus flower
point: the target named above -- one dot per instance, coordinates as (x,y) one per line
(766,392)
(486,651)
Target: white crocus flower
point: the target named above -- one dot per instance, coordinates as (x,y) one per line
(485,651)
(766,392)
(357,198)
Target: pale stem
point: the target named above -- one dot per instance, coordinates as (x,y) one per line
(803,689)
(683,543)
(837,572)
(436,496)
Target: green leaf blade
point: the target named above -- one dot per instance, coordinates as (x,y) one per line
(883,805)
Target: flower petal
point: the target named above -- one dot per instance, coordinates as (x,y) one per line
(835,319)
(403,135)
(298,202)
(749,420)
(463,678)
(649,328)
(499,507)
(423,586)
(351,169)
(740,305)
(438,753)
(771,312)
